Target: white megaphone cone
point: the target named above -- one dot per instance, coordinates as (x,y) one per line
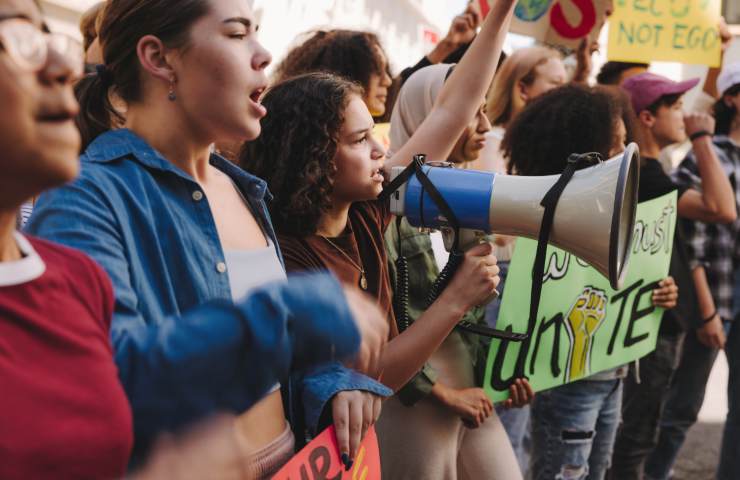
(594,218)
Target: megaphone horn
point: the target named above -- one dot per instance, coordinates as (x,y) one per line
(594,219)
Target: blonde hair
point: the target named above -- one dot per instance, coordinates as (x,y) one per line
(89,23)
(518,67)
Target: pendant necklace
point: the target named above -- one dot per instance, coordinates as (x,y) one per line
(363,278)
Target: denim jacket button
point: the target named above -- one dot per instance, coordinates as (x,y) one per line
(221,267)
(197,195)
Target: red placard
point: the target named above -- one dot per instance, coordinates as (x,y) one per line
(319,460)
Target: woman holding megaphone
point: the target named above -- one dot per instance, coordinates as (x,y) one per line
(325,169)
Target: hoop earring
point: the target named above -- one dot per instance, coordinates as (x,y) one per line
(171,95)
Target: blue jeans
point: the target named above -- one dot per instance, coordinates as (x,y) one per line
(516,422)
(573,430)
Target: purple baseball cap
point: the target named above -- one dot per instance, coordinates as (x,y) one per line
(646,88)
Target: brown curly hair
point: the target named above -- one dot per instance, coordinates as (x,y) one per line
(295,151)
(566,120)
(348,53)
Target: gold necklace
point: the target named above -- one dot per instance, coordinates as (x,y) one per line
(363,279)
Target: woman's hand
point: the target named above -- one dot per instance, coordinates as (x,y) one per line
(666,295)
(354,412)
(472,405)
(476,279)
(373,327)
(521,394)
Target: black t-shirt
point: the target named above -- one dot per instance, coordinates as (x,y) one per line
(655,183)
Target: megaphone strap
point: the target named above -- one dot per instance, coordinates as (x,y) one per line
(550,203)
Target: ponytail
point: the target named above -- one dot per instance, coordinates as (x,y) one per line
(122,24)
(97,114)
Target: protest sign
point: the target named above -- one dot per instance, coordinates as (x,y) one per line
(319,460)
(583,326)
(556,22)
(683,31)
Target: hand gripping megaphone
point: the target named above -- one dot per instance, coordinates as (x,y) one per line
(594,214)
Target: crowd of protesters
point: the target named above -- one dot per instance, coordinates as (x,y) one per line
(197,273)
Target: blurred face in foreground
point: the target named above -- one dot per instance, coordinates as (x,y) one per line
(38,137)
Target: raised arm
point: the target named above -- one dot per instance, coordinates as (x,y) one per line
(462,94)
(716,200)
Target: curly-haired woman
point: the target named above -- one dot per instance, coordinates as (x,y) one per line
(574,425)
(354,55)
(325,169)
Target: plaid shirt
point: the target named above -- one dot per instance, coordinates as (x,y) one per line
(716,246)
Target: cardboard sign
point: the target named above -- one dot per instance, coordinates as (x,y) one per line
(319,460)
(583,326)
(556,22)
(683,31)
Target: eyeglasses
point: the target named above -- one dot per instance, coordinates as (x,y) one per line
(29,47)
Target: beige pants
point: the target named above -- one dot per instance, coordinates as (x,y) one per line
(428,441)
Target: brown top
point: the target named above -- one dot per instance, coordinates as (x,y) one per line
(362,241)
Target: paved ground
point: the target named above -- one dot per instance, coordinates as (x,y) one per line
(699,457)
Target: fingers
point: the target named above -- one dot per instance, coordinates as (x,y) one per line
(355,426)
(340,414)
(480,250)
(514,394)
(368,414)
(528,390)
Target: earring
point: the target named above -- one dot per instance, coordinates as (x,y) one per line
(171,96)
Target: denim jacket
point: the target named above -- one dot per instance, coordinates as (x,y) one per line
(183,348)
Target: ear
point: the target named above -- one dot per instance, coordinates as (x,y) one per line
(646,118)
(153,58)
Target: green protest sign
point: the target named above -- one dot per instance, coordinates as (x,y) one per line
(583,326)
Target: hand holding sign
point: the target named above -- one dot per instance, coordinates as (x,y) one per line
(319,460)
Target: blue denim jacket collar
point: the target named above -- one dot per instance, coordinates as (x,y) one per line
(125,143)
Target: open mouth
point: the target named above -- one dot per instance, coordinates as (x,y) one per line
(377,175)
(256,95)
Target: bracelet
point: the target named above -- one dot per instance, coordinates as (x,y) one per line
(710,317)
(699,134)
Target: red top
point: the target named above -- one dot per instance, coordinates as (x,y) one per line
(63,413)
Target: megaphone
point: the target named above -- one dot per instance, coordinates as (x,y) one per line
(594,218)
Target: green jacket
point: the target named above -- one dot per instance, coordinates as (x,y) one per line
(416,246)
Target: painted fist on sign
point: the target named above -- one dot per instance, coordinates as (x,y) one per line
(584,319)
